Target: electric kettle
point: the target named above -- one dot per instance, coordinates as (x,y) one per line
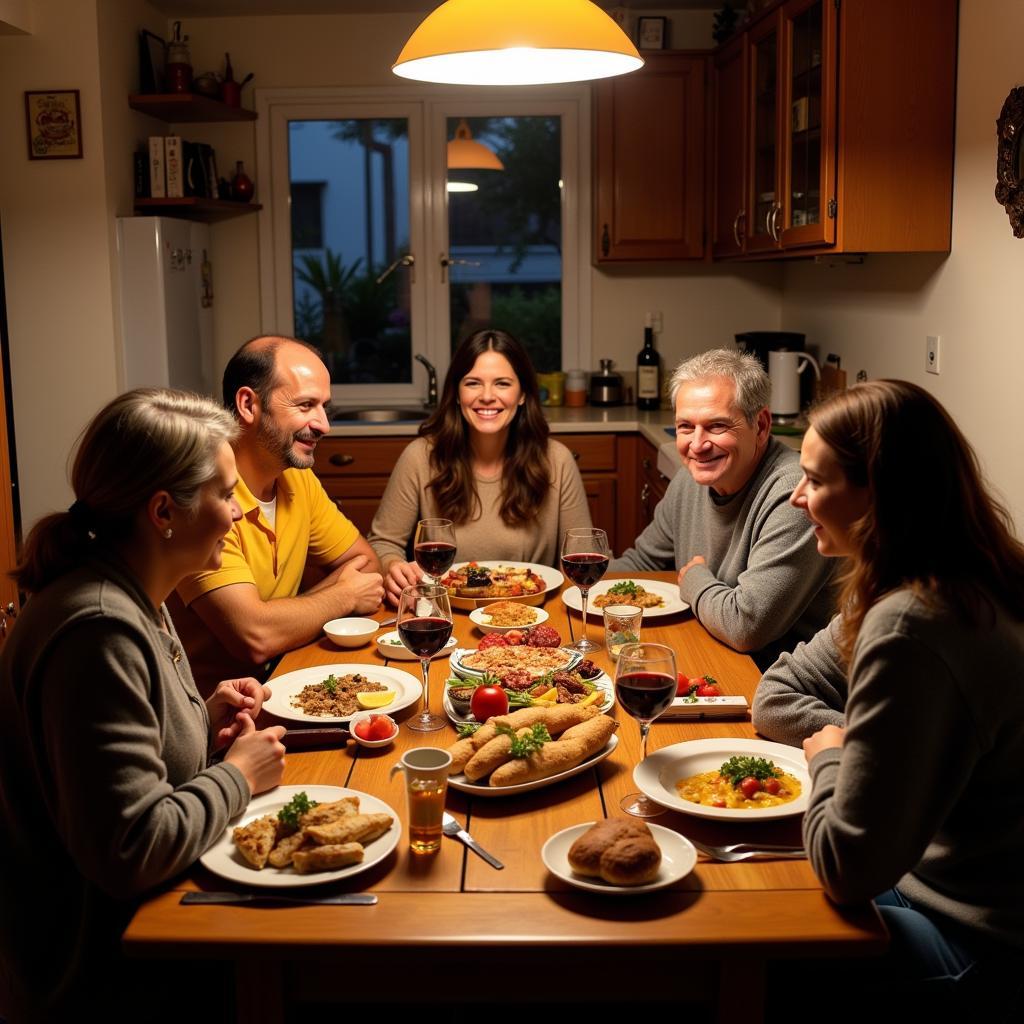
(784,369)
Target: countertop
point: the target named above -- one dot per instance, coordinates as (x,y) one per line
(619,419)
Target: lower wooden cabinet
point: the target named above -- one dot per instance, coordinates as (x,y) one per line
(355,472)
(653,483)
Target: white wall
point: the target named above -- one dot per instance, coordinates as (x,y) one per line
(876,316)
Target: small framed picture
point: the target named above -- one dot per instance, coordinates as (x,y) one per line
(651,33)
(54,122)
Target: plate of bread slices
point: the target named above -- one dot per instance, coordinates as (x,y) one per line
(619,856)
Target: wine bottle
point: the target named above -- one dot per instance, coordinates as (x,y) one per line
(648,374)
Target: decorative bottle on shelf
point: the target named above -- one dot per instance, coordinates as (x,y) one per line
(242,187)
(230,90)
(648,373)
(178,70)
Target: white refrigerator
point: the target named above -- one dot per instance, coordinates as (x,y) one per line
(166,304)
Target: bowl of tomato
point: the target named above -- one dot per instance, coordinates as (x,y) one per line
(372,729)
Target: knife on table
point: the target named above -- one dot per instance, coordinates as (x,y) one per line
(360,899)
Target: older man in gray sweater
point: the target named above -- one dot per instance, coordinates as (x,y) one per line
(748,562)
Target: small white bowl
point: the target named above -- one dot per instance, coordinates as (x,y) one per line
(359,716)
(476,617)
(391,646)
(351,632)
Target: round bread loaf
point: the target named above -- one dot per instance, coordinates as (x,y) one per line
(622,851)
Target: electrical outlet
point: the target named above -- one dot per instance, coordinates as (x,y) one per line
(932,353)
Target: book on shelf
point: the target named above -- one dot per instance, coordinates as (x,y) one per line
(157,173)
(140,174)
(175,167)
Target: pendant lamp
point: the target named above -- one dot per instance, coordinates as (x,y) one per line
(516,42)
(465,153)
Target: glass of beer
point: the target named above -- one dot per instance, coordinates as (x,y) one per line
(426,782)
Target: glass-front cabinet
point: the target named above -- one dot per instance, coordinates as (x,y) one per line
(763,200)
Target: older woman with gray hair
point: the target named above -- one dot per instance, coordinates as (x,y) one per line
(109,777)
(748,566)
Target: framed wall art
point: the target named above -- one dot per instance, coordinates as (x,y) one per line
(54,123)
(651,33)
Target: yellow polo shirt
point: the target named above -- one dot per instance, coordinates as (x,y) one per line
(309,528)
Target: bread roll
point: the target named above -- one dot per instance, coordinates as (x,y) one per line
(619,850)
(585,854)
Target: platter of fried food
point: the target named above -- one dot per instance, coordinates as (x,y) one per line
(325,833)
(656,598)
(536,661)
(472,584)
(619,856)
(669,772)
(328,694)
(529,749)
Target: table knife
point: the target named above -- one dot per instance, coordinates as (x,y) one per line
(362,899)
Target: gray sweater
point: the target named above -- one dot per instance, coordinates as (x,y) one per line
(764,585)
(926,791)
(105,788)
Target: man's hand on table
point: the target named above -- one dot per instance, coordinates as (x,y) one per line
(365,589)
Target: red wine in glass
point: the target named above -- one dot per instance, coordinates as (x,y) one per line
(434,557)
(585,568)
(425,636)
(645,695)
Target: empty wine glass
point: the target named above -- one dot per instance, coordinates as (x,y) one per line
(645,685)
(425,624)
(434,547)
(585,556)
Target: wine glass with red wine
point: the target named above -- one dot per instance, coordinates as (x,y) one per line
(434,546)
(585,556)
(645,685)
(424,625)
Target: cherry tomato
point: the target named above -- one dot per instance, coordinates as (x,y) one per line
(772,786)
(516,637)
(488,701)
(682,684)
(750,786)
(362,729)
(708,690)
(375,727)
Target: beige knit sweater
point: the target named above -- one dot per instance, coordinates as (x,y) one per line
(486,536)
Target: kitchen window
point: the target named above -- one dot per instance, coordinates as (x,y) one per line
(376,251)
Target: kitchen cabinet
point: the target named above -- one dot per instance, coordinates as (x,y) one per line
(190,108)
(847,109)
(653,483)
(649,161)
(355,472)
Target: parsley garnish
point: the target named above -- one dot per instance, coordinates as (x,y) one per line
(736,769)
(466,729)
(524,746)
(627,587)
(330,684)
(294,809)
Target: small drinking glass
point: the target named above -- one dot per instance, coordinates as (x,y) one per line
(585,557)
(426,781)
(424,625)
(645,685)
(621,627)
(434,547)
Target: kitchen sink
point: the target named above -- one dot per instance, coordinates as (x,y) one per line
(380,415)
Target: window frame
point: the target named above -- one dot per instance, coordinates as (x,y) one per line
(427,114)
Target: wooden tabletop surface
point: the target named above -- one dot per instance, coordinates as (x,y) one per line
(454,904)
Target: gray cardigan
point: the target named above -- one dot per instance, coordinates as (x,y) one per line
(926,791)
(105,787)
(764,585)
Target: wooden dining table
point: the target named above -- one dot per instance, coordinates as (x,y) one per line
(449,928)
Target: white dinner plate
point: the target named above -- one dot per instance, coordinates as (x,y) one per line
(459,781)
(406,688)
(224,859)
(678,858)
(572,659)
(477,617)
(391,646)
(658,774)
(673,605)
(552,578)
(602,682)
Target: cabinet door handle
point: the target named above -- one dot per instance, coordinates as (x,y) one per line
(575,455)
(606,242)
(340,459)
(645,462)
(645,495)
(774,221)
(742,215)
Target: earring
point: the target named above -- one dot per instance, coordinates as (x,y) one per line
(168,533)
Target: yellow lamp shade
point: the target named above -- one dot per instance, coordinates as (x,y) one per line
(465,152)
(516,42)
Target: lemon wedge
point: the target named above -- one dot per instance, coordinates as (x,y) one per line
(375,700)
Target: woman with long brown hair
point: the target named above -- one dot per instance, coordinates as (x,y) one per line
(909,705)
(485,461)
(114,774)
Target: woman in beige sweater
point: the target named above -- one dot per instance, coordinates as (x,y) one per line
(484,460)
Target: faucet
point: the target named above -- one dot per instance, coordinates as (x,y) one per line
(431,400)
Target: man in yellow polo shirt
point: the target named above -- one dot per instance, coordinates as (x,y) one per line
(235,619)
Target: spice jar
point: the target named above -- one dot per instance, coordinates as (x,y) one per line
(576,388)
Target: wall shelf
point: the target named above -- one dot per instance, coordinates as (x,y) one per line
(194,208)
(188,107)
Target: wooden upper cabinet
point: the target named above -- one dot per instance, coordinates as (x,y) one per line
(649,160)
(849,132)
